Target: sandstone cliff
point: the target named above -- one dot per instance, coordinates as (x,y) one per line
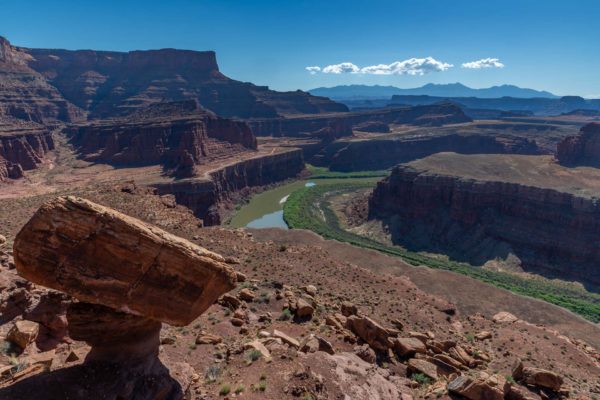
(581,149)
(26,94)
(107,83)
(551,226)
(205,197)
(332,126)
(378,154)
(22,148)
(175,138)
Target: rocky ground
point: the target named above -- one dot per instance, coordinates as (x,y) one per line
(309,319)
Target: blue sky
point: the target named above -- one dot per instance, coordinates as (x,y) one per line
(545,44)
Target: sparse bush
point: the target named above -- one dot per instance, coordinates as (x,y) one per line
(421,379)
(225,389)
(239,389)
(252,355)
(212,373)
(286,315)
(509,379)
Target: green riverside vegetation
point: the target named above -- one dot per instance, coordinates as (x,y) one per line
(309,208)
(325,173)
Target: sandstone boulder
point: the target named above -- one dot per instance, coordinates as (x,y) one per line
(348,309)
(407,347)
(370,331)
(99,255)
(542,378)
(23,333)
(304,309)
(504,317)
(475,389)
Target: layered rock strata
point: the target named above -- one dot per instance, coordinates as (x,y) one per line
(128,277)
(204,196)
(178,142)
(581,149)
(477,209)
(26,94)
(384,153)
(341,124)
(22,148)
(109,83)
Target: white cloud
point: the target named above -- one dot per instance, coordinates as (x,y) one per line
(412,66)
(484,63)
(342,68)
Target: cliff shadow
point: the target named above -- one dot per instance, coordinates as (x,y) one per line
(97,381)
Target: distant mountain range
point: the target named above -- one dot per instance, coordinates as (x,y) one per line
(354,92)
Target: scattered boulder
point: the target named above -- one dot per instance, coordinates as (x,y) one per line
(304,309)
(257,345)
(23,333)
(2,240)
(348,309)
(366,353)
(483,335)
(208,338)
(537,377)
(504,317)
(230,301)
(476,389)
(407,347)
(311,290)
(246,295)
(370,331)
(417,365)
(286,339)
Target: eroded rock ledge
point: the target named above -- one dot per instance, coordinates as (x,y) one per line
(476,209)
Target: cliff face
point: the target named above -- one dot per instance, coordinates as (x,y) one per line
(341,124)
(205,196)
(174,141)
(25,94)
(385,153)
(581,149)
(551,232)
(108,83)
(23,150)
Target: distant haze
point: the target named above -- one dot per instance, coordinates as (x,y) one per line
(346,92)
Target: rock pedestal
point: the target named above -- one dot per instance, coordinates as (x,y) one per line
(128,278)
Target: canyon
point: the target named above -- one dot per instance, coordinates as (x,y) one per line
(527,210)
(581,149)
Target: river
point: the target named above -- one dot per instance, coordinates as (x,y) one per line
(265,210)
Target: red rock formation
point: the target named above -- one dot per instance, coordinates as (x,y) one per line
(25,94)
(133,256)
(108,83)
(581,149)
(172,141)
(22,148)
(204,197)
(129,276)
(341,124)
(379,154)
(552,232)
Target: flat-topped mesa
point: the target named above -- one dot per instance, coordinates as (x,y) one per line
(581,149)
(526,210)
(101,256)
(175,135)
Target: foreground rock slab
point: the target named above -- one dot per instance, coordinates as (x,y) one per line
(101,256)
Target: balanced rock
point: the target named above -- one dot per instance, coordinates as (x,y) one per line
(101,256)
